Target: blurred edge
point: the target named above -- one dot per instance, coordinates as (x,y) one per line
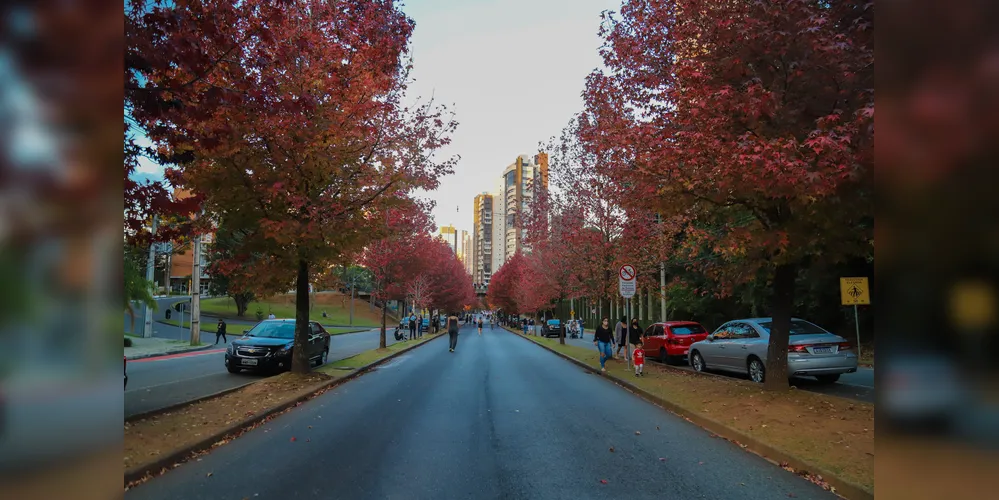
(60,257)
(935,277)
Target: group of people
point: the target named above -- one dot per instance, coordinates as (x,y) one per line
(629,339)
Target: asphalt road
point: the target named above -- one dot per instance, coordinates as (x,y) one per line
(499,418)
(155,383)
(858,386)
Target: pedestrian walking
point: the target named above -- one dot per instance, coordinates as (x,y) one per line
(220,332)
(480,326)
(603,338)
(621,334)
(639,356)
(412,326)
(524,324)
(452,332)
(634,335)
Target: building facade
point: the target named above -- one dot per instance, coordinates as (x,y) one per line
(518,186)
(482,239)
(463,242)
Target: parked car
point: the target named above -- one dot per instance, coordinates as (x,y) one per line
(552,328)
(740,346)
(670,341)
(268,346)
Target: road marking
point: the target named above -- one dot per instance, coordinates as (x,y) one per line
(178,355)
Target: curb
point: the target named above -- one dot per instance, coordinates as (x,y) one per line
(167,353)
(842,487)
(176,458)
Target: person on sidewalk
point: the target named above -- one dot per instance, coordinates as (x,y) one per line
(639,356)
(621,334)
(602,338)
(634,335)
(452,332)
(220,333)
(412,326)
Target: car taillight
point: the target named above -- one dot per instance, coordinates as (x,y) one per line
(845,346)
(673,341)
(797,348)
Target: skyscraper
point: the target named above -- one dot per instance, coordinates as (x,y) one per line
(518,186)
(447,235)
(482,238)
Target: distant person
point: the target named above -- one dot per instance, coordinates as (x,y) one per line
(602,338)
(419,327)
(621,334)
(220,333)
(452,332)
(324,314)
(523,322)
(412,326)
(634,335)
(271,316)
(639,357)
(480,326)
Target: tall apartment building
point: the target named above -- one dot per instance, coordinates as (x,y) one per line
(463,249)
(482,238)
(519,184)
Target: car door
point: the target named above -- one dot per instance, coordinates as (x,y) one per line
(650,344)
(315,339)
(720,348)
(743,336)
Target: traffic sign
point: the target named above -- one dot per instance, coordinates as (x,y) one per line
(626,284)
(854,291)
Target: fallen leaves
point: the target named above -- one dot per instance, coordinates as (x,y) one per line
(612,449)
(293,439)
(603,481)
(638,433)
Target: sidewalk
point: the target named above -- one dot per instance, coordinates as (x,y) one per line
(149,347)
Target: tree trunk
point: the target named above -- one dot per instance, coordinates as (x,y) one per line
(300,353)
(780,329)
(242,301)
(381,336)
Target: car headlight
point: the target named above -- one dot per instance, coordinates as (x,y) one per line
(228,349)
(285,349)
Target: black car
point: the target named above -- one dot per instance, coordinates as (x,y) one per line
(552,328)
(268,346)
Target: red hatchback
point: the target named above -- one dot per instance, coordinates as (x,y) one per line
(671,340)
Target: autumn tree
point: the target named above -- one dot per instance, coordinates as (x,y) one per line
(289,118)
(753,118)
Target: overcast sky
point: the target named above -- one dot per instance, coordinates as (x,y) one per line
(512,70)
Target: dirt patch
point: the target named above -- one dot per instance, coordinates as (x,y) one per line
(917,469)
(148,439)
(833,433)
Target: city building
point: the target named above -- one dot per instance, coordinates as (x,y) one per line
(520,182)
(482,238)
(180,261)
(463,249)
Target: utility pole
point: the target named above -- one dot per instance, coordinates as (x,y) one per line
(662,290)
(196,294)
(147,322)
(352,301)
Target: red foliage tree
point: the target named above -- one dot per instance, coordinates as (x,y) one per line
(753,118)
(289,119)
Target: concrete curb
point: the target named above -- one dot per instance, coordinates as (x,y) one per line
(167,353)
(842,487)
(177,457)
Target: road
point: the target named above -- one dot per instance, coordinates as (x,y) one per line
(155,383)
(499,418)
(858,386)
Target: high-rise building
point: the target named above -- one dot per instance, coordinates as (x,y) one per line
(463,250)
(482,238)
(518,186)
(468,252)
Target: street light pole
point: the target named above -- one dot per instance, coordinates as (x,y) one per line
(147,321)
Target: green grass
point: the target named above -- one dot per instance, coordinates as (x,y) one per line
(370,356)
(205,327)
(282,307)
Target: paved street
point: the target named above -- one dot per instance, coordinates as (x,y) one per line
(499,418)
(859,385)
(155,383)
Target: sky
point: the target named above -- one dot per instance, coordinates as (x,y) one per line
(513,72)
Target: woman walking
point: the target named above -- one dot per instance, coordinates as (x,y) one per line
(634,335)
(452,331)
(602,338)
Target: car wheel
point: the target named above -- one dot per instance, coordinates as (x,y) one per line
(697,362)
(324,357)
(233,369)
(827,379)
(663,356)
(757,372)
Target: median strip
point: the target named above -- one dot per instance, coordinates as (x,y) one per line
(829,441)
(156,444)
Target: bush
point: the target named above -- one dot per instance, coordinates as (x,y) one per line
(128,342)
(260,314)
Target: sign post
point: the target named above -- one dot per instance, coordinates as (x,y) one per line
(627,286)
(854,292)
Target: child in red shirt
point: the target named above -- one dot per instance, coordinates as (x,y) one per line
(639,357)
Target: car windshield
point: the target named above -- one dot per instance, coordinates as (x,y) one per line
(274,330)
(798,327)
(687,329)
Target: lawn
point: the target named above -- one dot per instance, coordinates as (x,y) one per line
(337,308)
(833,433)
(237,329)
(207,327)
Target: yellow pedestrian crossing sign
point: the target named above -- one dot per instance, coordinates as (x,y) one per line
(855,291)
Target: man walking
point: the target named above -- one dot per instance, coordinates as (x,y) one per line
(220,333)
(412,326)
(452,331)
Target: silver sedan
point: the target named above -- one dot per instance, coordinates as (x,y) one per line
(740,346)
